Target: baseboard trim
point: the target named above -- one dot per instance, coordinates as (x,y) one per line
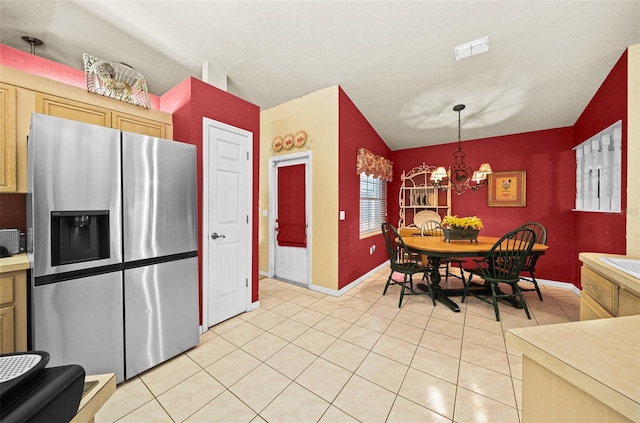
(337,293)
(348,287)
(563,285)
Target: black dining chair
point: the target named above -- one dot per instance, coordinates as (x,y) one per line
(403,262)
(433,228)
(532,259)
(502,264)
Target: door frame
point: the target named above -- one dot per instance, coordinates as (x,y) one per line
(294,158)
(206,123)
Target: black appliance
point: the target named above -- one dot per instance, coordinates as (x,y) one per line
(32,393)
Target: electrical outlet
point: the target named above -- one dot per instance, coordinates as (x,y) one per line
(372,249)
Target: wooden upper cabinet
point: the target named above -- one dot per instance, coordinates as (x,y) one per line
(47,104)
(7,138)
(22,93)
(75,110)
(139,125)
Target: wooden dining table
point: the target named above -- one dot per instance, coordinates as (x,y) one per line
(436,248)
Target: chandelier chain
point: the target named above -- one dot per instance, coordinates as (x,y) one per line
(459,131)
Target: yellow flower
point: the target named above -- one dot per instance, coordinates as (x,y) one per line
(455,222)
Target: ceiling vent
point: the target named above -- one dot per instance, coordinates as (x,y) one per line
(472,48)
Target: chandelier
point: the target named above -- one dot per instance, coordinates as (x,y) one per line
(462,176)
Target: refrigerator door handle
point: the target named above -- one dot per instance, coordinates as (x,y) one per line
(216,236)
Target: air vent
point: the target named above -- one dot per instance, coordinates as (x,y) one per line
(472,48)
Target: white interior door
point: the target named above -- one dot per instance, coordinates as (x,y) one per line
(290,263)
(226,221)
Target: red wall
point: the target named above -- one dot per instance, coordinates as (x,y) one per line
(13,211)
(547,158)
(192,100)
(354,131)
(607,106)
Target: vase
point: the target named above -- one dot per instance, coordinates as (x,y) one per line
(458,234)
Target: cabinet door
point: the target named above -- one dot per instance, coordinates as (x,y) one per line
(19,309)
(13,303)
(628,303)
(6,330)
(6,288)
(590,309)
(47,104)
(7,138)
(600,289)
(139,125)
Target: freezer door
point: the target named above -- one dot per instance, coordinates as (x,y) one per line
(160,209)
(161,309)
(73,166)
(80,321)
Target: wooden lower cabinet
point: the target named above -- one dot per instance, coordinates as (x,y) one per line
(7,336)
(628,303)
(602,296)
(601,289)
(13,311)
(590,309)
(548,397)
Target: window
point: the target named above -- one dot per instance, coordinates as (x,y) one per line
(373,204)
(599,171)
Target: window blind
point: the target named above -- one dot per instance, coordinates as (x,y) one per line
(373,204)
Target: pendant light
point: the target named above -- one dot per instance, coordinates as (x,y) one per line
(462,177)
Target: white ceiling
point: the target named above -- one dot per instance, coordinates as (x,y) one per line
(394,59)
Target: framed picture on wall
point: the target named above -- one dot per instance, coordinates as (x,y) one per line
(508,189)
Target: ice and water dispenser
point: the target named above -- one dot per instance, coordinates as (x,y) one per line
(78,236)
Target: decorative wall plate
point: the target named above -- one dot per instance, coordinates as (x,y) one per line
(300,138)
(288,141)
(424,216)
(277,143)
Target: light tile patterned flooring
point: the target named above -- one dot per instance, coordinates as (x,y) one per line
(304,357)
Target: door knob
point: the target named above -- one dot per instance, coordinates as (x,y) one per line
(216,236)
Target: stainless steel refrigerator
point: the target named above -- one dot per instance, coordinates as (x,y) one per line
(112,239)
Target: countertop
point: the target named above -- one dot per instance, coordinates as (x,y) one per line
(598,356)
(626,281)
(96,397)
(14,263)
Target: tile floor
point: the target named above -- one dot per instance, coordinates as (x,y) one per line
(308,357)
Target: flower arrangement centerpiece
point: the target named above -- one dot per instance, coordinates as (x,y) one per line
(461,228)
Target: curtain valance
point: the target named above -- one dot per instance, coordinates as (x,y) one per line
(371,164)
